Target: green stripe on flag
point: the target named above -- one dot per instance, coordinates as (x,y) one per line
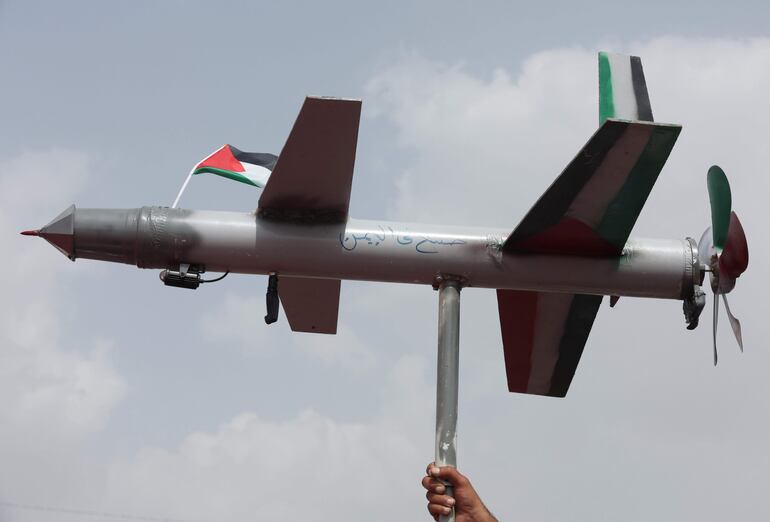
(606,101)
(580,319)
(237,176)
(623,211)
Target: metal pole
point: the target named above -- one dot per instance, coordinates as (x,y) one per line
(447,377)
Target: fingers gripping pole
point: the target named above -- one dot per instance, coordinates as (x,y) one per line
(447,377)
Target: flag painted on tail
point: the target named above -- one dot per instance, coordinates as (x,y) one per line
(592,206)
(543,338)
(622,89)
(252,168)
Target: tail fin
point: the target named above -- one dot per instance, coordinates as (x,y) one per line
(622,89)
(543,338)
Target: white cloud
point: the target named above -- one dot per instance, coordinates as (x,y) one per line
(344,350)
(476,140)
(309,465)
(238,322)
(55,391)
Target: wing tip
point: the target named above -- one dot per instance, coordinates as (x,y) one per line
(324,98)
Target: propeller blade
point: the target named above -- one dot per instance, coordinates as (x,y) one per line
(735,256)
(705,248)
(716,317)
(734,323)
(721,203)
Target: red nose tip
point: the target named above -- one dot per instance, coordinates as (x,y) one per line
(31,233)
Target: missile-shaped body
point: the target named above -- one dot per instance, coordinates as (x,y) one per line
(549,272)
(239,242)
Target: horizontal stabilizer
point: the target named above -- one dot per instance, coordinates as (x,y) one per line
(543,338)
(592,206)
(311,305)
(312,178)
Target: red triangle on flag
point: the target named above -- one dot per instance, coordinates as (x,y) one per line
(222,159)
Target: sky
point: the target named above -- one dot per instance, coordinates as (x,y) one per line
(123,397)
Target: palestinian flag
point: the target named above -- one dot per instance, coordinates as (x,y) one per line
(252,168)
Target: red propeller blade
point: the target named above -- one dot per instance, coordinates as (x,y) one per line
(735,256)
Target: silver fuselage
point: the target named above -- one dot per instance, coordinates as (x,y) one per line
(161,237)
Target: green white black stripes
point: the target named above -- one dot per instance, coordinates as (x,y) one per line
(622,88)
(592,206)
(612,198)
(251,174)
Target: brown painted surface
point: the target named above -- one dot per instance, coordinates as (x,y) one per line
(311,305)
(313,176)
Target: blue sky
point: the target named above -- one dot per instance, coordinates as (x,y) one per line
(121,395)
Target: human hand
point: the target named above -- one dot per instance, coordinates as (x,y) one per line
(466,502)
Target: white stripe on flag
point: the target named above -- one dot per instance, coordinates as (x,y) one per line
(591,203)
(623,96)
(550,322)
(256,173)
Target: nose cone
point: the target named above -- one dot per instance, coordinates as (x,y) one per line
(60,232)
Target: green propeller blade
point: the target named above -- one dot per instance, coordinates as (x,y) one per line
(721,202)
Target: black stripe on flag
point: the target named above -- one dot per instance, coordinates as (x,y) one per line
(263,159)
(640,90)
(580,319)
(555,202)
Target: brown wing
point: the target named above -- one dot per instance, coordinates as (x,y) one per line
(311,305)
(312,178)
(543,338)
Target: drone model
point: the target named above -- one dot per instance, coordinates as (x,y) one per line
(550,273)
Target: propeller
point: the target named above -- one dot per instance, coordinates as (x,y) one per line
(723,250)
